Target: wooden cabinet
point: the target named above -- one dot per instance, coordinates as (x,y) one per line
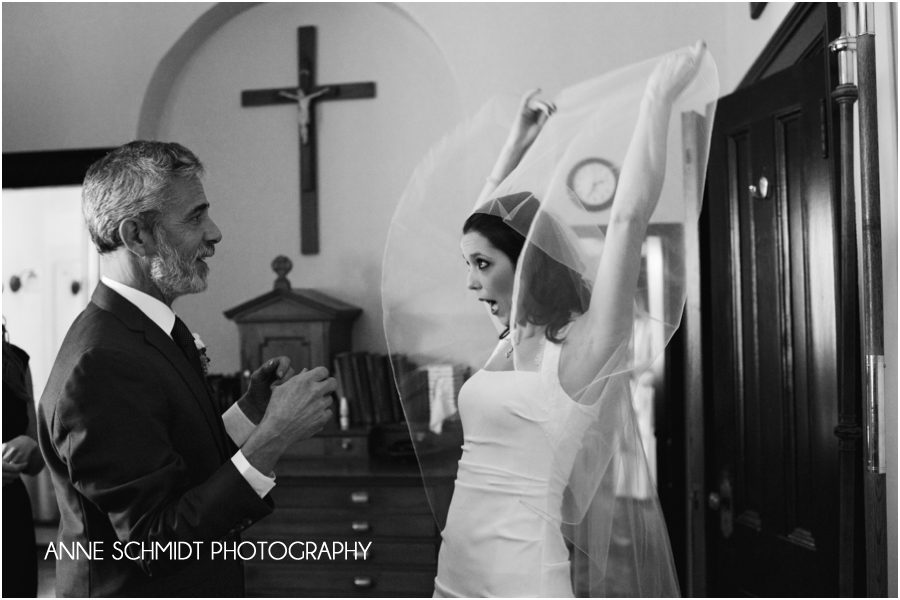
(382,504)
(305,325)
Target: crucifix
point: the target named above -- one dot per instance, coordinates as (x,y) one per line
(307,96)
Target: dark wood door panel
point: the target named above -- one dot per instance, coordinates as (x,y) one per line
(772,327)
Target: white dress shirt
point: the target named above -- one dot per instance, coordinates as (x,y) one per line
(237,425)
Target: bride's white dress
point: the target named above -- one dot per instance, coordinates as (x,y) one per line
(502,536)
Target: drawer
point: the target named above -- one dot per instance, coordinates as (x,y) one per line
(406,499)
(380,553)
(297,580)
(330,447)
(299,523)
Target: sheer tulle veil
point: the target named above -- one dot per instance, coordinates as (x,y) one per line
(607,507)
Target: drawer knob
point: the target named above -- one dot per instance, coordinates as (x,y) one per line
(346,444)
(360,526)
(363,581)
(359,497)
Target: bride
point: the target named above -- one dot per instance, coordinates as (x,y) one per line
(544,501)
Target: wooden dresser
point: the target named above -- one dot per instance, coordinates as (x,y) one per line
(334,500)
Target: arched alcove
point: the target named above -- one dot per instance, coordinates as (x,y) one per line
(367,149)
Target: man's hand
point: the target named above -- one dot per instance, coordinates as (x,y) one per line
(20,455)
(19,449)
(274,372)
(11,471)
(298,409)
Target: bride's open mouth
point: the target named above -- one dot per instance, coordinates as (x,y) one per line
(491,304)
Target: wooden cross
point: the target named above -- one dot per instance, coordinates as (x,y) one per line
(306,96)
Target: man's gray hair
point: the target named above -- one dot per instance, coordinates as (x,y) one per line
(131,182)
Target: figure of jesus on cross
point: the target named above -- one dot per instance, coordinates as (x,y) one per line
(307,95)
(303,101)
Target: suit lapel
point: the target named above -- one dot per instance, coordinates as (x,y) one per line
(136,320)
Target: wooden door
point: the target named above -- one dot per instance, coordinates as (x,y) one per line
(770,340)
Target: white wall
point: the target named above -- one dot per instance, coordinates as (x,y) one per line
(74,74)
(103,54)
(512,46)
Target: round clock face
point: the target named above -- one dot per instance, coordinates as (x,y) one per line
(592,183)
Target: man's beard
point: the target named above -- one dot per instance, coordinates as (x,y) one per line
(174,274)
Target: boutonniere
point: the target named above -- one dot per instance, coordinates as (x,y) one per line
(201,349)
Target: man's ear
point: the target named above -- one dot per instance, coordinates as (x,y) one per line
(138,239)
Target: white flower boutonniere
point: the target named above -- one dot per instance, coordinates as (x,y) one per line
(201,349)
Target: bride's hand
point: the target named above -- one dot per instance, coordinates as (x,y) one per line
(530,118)
(675,72)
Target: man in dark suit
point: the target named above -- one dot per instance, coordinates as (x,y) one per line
(136,448)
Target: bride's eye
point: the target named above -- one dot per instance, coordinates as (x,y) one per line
(482,264)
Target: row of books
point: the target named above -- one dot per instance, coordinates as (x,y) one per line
(373,388)
(366,381)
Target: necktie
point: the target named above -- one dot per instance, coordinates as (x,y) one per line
(185,340)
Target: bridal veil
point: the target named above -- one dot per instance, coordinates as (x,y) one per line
(608,509)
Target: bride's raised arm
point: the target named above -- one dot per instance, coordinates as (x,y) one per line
(608,321)
(530,118)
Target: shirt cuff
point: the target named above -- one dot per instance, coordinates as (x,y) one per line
(260,483)
(237,425)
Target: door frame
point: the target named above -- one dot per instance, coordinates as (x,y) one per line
(49,168)
(807,29)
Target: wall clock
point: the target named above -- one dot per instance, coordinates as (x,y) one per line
(592,183)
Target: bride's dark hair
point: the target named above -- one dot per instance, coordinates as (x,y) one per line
(551,292)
